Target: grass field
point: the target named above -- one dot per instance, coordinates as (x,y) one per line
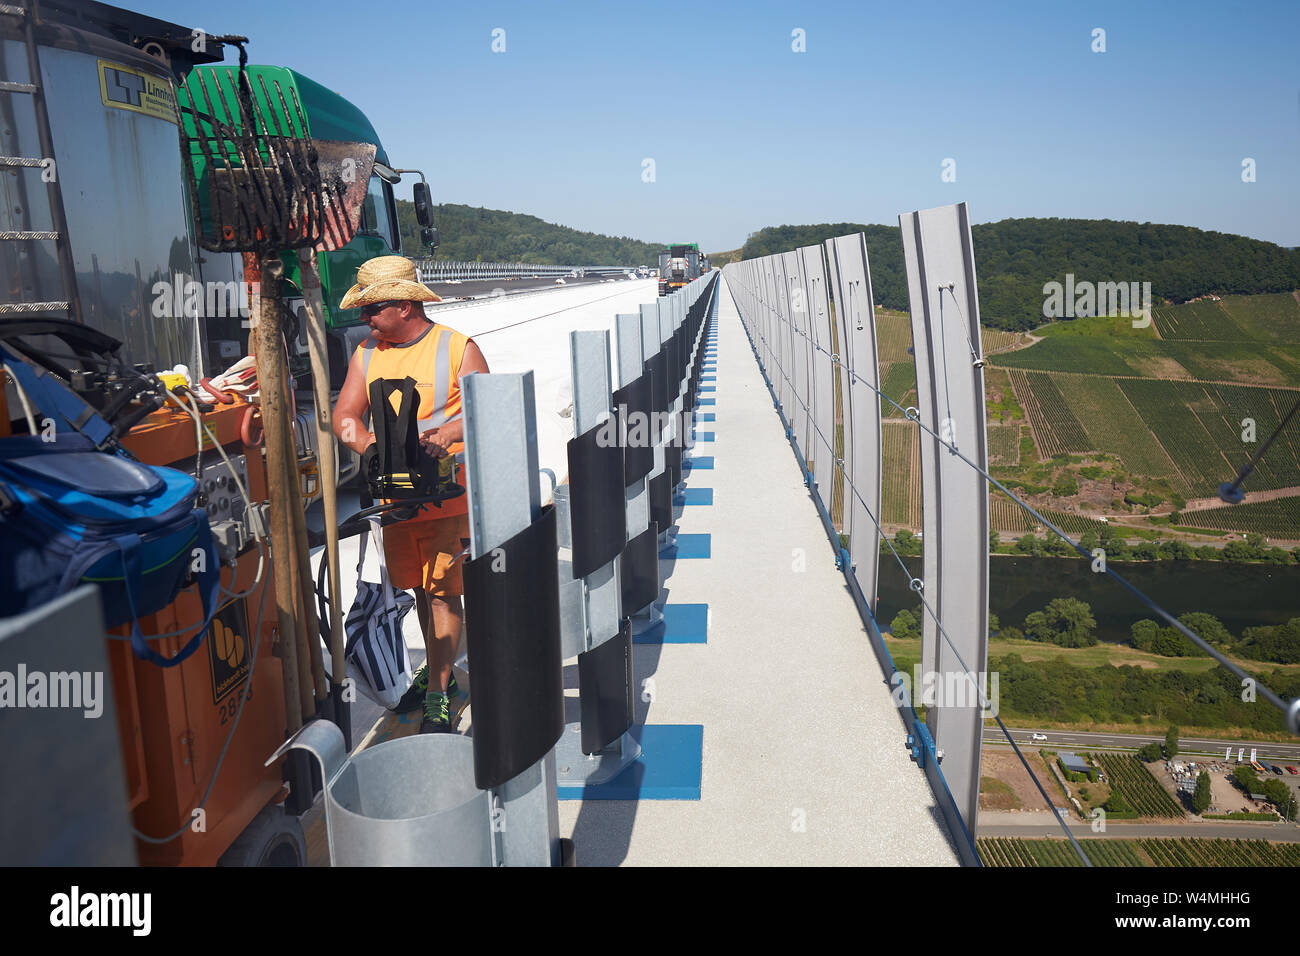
(1152,852)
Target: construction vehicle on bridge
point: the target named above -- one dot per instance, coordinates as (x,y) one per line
(124,282)
(679,265)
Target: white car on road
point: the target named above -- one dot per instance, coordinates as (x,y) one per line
(1039,736)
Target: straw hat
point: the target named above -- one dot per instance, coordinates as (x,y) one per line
(387,278)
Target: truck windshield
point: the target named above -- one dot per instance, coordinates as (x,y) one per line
(377,213)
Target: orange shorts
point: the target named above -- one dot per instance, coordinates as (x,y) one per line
(420,553)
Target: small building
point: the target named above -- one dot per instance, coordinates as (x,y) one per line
(1073,762)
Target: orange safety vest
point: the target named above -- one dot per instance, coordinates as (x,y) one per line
(433,360)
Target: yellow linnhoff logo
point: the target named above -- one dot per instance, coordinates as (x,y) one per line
(123,88)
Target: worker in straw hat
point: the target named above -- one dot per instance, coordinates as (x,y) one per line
(421,553)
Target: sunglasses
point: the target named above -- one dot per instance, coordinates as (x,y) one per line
(374,308)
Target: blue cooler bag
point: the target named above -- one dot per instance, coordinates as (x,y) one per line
(72,514)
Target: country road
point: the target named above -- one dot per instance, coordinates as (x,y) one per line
(1194,746)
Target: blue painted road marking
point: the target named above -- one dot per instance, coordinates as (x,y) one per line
(688,546)
(694,496)
(669,768)
(682,624)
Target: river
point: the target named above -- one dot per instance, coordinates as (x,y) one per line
(1239,595)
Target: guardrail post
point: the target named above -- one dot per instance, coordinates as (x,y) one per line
(515,666)
(634,401)
(597,747)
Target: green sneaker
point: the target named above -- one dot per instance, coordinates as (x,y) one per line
(437,714)
(413,699)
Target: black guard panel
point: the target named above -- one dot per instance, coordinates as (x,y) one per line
(661,500)
(673,365)
(673,462)
(597,508)
(512,616)
(639,570)
(605,690)
(657,371)
(634,399)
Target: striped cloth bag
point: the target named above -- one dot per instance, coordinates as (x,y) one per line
(376,653)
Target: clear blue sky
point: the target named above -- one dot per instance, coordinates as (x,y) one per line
(746,133)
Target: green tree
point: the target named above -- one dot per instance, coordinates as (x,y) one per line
(1171,742)
(1201,798)
(1151,752)
(907,543)
(1065,621)
(1030,544)
(904,625)
(1246,778)
(1207,627)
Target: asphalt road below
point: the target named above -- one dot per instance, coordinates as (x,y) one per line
(1196,746)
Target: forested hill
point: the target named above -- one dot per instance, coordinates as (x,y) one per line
(468,233)
(1015,257)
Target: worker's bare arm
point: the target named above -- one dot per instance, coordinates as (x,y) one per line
(350,410)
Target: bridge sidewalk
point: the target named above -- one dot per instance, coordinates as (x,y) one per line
(803,759)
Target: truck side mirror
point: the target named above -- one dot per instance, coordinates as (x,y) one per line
(429,236)
(423,204)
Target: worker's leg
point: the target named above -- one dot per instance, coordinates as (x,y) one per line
(440,620)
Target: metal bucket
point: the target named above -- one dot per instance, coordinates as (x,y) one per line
(405,802)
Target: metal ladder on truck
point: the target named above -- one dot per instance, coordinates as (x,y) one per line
(25,294)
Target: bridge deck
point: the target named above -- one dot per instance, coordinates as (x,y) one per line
(804,760)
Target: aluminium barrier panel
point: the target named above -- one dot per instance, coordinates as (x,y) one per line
(862,427)
(827,431)
(797,298)
(852,324)
(950,401)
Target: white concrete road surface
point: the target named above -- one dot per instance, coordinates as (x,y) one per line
(532,332)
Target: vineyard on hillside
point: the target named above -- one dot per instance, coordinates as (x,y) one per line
(1110,851)
(1114,426)
(1279,518)
(1130,778)
(901,490)
(1205,320)
(1004,444)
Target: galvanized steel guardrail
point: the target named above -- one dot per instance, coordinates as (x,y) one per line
(443,270)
